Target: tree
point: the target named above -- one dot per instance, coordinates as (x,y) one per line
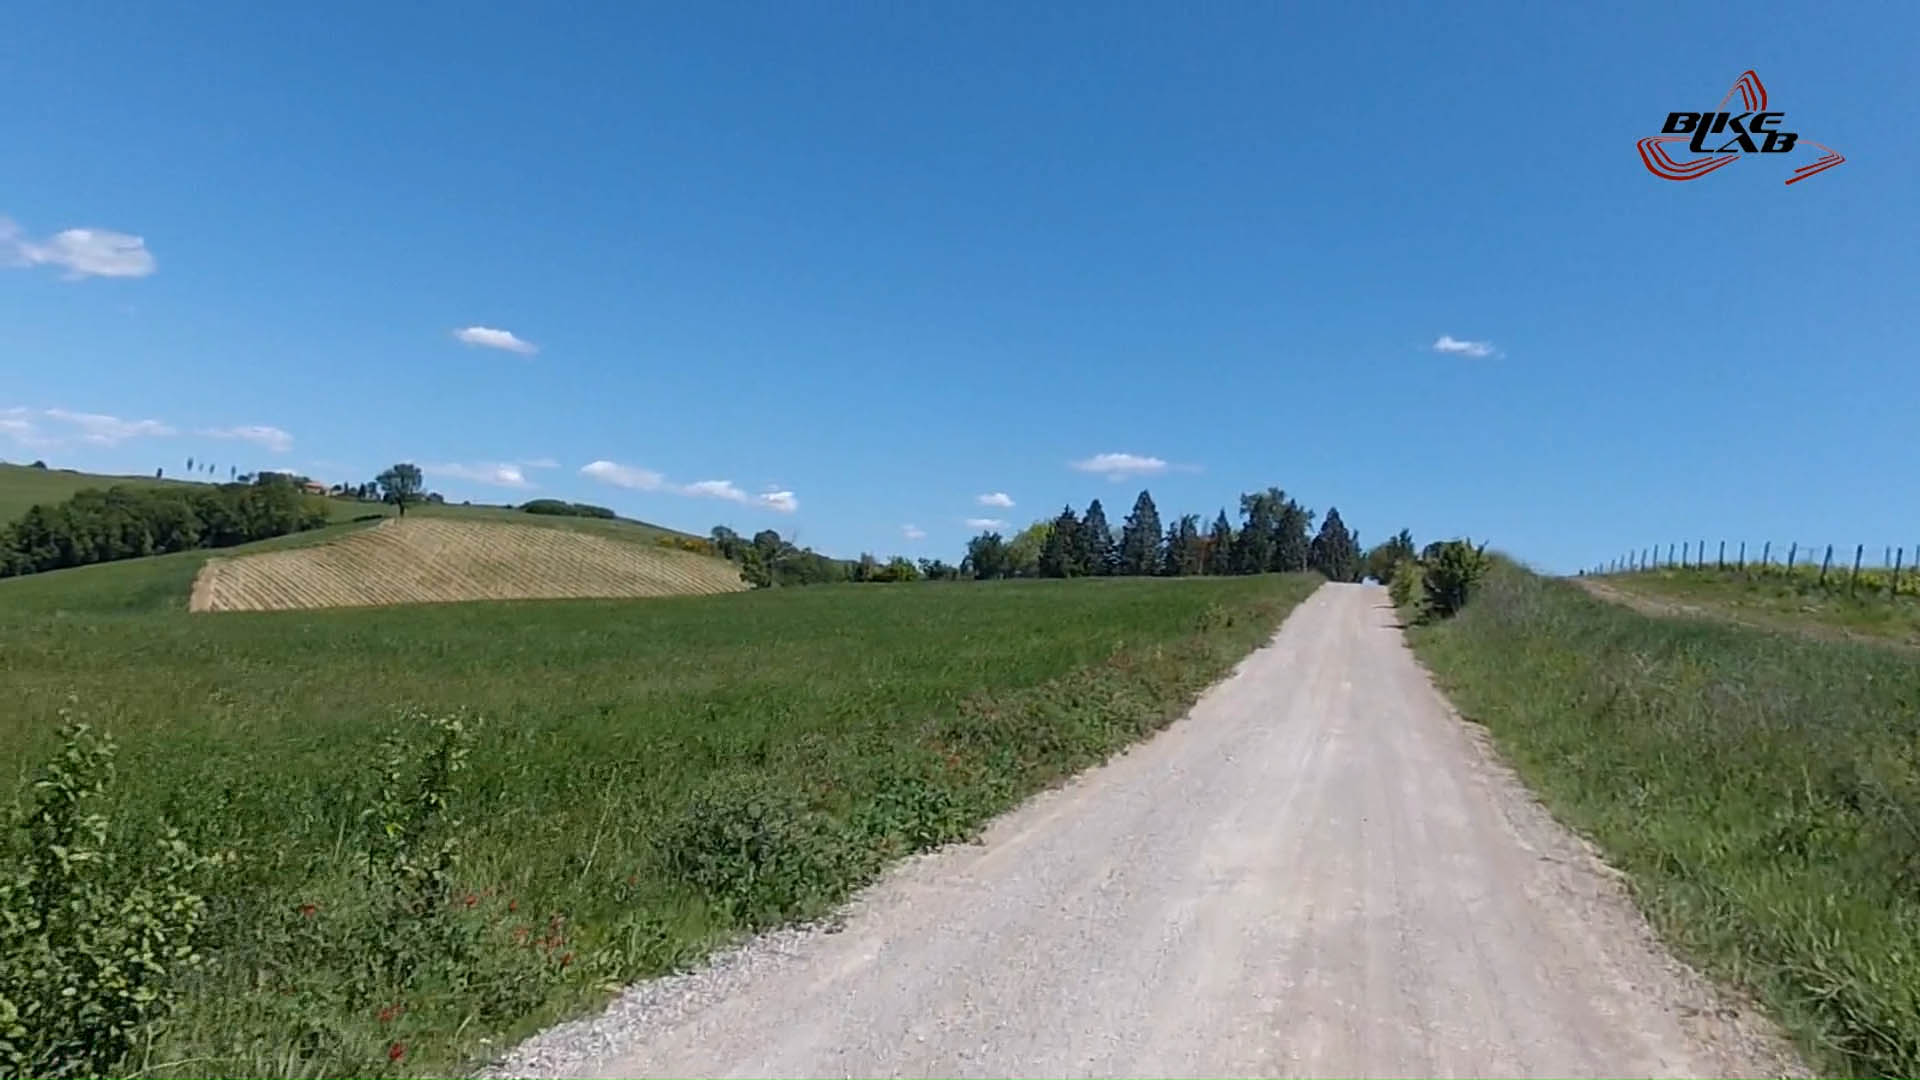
(1058,552)
(936,570)
(1140,538)
(189,464)
(400,485)
(1219,553)
(898,568)
(1023,551)
(987,556)
(1291,524)
(1386,557)
(156,474)
(1186,549)
(1333,553)
(1102,559)
(1253,548)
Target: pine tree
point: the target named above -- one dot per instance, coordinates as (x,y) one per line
(1219,553)
(1334,553)
(1185,549)
(1057,553)
(1140,538)
(1102,559)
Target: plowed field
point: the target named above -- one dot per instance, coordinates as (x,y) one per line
(424,561)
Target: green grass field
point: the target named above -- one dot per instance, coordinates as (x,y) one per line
(1762,791)
(1791,601)
(647,780)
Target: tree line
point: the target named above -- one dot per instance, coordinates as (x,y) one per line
(125,522)
(1275,533)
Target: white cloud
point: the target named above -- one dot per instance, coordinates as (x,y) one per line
(638,479)
(539,463)
(1120,466)
(488,337)
(998,498)
(272,438)
(497,474)
(80,252)
(913,532)
(102,430)
(1453,346)
(985,523)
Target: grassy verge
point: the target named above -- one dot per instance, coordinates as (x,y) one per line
(1762,791)
(1795,601)
(645,781)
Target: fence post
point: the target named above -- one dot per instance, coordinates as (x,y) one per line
(1858,550)
(1791,552)
(1669,554)
(1766,554)
(1893,586)
(1743,556)
(1683,554)
(1824,564)
(1720,562)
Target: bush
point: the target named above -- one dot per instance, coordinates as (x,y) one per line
(757,851)
(92,945)
(1450,575)
(1402,581)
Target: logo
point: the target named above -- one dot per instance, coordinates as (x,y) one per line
(1725,137)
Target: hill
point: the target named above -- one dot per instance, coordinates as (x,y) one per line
(1773,598)
(23,487)
(436,559)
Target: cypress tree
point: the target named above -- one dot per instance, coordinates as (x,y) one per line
(1102,559)
(1057,553)
(1334,553)
(1140,538)
(1219,553)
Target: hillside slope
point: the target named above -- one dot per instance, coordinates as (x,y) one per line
(436,560)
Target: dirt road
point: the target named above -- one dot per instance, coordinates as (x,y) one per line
(1320,872)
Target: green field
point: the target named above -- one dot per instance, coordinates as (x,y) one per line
(647,779)
(1762,791)
(22,487)
(1789,600)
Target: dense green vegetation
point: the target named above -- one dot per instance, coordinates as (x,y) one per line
(576,794)
(1762,791)
(128,522)
(562,508)
(1273,537)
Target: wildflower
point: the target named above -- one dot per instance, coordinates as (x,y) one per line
(566,959)
(396,1051)
(307,910)
(388,1013)
(472,899)
(513,905)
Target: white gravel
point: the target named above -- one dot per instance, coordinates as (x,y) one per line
(1320,871)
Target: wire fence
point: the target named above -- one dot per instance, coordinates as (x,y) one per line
(1804,565)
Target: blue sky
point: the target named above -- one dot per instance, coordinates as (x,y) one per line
(844,269)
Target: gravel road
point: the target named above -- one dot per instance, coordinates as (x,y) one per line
(1320,871)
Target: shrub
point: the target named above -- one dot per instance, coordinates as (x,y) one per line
(1402,581)
(756,850)
(1450,574)
(92,946)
